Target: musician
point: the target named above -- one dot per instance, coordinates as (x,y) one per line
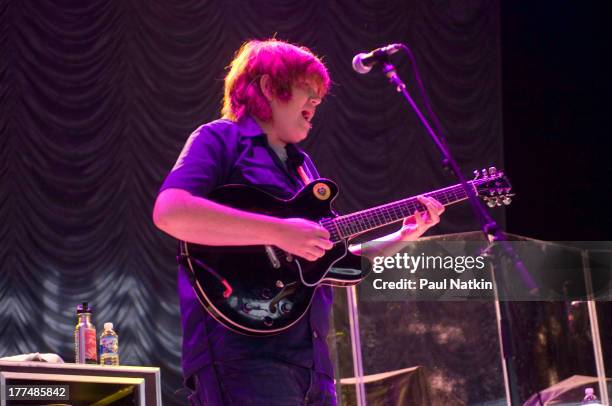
(272,91)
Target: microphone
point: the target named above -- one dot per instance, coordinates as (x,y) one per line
(363,63)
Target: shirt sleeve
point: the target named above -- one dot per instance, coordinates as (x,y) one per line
(204,163)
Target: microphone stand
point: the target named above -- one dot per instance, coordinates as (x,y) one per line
(488,225)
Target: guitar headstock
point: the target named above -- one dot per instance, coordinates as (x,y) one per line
(493,187)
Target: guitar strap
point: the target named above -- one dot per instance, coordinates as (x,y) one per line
(305,178)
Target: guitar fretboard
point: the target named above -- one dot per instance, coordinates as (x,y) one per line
(352,224)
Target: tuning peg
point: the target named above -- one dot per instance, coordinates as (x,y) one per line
(476,174)
(492,171)
(484,173)
(490,202)
(507,200)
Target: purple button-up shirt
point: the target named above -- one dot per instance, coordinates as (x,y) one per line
(224,152)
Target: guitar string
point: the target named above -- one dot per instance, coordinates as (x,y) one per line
(394,211)
(397,210)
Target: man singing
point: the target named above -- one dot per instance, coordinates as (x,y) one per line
(272,91)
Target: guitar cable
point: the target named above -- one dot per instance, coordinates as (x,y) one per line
(228,288)
(310,285)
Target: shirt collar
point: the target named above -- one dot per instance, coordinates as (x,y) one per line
(248,127)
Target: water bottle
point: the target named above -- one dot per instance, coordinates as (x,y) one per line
(109,346)
(85,348)
(590,398)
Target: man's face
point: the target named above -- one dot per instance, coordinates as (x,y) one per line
(292,119)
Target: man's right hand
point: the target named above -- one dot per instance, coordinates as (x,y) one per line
(303,238)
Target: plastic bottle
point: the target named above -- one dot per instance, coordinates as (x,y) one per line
(109,346)
(590,398)
(85,349)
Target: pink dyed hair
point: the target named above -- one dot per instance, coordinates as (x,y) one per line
(285,63)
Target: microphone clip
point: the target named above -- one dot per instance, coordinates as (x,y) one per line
(363,62)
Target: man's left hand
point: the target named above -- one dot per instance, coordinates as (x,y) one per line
(415,225)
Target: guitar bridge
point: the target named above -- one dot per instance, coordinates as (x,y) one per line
(287,290)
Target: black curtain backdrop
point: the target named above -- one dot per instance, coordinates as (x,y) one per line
(556,84)
(98,97)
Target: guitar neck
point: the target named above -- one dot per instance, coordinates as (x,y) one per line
(350,225)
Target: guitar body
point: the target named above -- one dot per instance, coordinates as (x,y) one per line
(262,290)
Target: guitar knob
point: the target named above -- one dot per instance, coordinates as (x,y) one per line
(289,257)
(280,284)
(268,321)
(266,294)
(246,307)
(286,307)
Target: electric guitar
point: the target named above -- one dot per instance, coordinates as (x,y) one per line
(263,290)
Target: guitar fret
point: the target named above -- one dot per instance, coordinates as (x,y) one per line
(332,227)
(365,220)
(356,223)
